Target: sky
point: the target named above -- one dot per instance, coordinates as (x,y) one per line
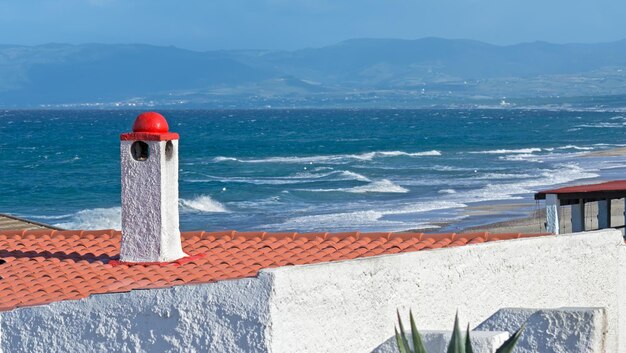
(295,24)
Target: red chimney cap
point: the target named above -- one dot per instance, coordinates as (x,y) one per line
(151,122)
(150,126)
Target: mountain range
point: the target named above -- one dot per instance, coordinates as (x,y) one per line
(358,72)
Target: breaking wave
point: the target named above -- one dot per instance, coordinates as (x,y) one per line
(299,178)
(380,186)
(563,173)
(93,219)
(504,151)
(370,219)
(336,158)
(202,203)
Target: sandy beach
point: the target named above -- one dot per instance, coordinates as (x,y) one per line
(535,222)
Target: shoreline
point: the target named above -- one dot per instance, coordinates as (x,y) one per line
(527,216)
(531,223)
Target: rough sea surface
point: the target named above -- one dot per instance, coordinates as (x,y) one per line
(309,170)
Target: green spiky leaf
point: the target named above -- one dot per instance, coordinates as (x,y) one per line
(456,342)
(509,345)
(402,347)
(468,342)
(404,341)
(418,345)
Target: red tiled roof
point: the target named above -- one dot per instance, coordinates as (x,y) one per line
(616,186)
(43,266)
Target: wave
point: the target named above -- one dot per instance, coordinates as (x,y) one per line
(602,125)
(496,176)
(299,178)
(505,151)
(336,158)
(447,191)
(92,219)
(202,203)
(563,173)
(367,219)
(522,157)
(574,147)
(111,218)
(379,186)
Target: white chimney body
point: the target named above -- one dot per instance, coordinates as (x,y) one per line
(150,222)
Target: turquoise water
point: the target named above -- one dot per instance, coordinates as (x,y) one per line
(308,170)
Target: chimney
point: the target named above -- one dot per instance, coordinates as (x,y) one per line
(149,157)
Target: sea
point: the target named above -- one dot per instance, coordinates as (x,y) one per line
(311,170)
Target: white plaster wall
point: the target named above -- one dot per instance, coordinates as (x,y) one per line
(222,317)
(344,306)
(622,301)
(350,306)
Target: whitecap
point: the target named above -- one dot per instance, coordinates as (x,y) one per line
(602,125)
(92,219)
(378,186)
(574,147)
(506,151)
(333,158)
(368,219)
(298,178)
(202,203)
(382,186)
(563,173)
(447,191)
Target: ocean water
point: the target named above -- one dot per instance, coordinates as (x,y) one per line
(309,170)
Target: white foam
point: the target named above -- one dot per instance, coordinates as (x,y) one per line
(497,176)
(505,151)
(333,158)
(369,219)
(92,219)
(355,176)
(383,186)
(299,178)
(563,173)
(522,157)
(602,125)
(202,203)
(378,186)
(447,191)
(574,147)
(224,159)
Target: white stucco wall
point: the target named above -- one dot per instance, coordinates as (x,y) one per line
(622,298)
(223,317)
(344,306)
(350,306)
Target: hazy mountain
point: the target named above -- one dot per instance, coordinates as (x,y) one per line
(370,68)
(59,73)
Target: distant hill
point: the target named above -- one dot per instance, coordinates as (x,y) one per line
(358,70)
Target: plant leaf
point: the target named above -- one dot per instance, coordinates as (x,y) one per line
(418,345)
(468,342)
(509,345)
(456,342)
(402,348)
(405,342)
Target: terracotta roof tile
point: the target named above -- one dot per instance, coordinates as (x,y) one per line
(42,266)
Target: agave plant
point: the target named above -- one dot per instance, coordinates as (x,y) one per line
(457,343)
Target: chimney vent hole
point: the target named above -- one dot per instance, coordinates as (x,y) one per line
(140,150)
(169,150)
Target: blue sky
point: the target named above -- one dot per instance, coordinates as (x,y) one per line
(293,24)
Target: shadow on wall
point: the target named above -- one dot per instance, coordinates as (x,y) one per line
(572,330)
